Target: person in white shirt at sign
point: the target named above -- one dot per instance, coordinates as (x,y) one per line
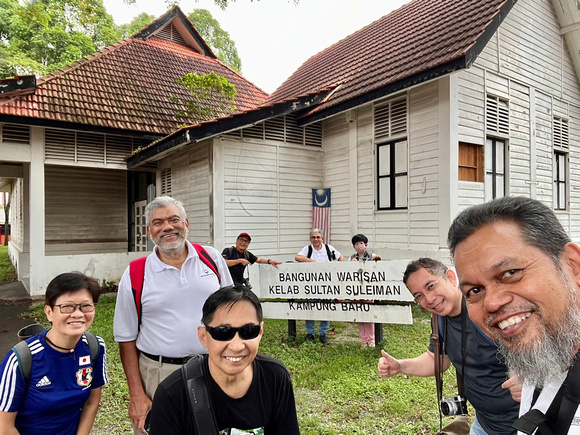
(317,251)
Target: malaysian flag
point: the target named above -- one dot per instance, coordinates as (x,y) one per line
(321,212)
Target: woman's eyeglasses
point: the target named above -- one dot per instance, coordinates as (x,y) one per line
(71,308)
(226,333)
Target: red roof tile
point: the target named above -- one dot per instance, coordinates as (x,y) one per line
(419,36)
(126,86)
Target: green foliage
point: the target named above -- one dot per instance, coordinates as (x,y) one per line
(7,272)
(44,35)
(212,96)
(109,286)
(337,388)
(138,23)
(217,38)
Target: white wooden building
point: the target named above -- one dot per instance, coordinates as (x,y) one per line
(437,106)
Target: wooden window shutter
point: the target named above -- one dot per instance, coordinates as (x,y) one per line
(166,181)
(470,162)
(15,133)
(391,119)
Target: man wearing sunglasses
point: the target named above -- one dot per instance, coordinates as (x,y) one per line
(248,391)
(485,378)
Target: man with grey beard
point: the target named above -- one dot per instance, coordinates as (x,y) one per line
(520,275)
(176,284)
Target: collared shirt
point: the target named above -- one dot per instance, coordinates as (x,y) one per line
(172,300)
(545,400)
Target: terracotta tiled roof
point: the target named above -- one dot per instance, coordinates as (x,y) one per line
(126,86)
(417,38)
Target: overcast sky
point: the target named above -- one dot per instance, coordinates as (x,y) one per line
(274,37)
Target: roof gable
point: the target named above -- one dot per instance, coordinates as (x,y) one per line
(127,86)
(421,40)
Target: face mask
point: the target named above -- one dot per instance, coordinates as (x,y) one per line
(360,247)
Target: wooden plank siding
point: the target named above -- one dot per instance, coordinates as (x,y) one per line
(267,190)
(423,166)
(17,213)
(85,210)
(191,184)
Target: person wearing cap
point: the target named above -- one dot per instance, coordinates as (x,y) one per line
(238,257)
(248,392)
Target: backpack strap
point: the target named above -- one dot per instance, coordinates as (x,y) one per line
(330,256)
(198,396)
(137,275)
(206,258)
(94,344)
(24,357)
(309,251)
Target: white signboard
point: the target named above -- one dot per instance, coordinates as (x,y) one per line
(344,291)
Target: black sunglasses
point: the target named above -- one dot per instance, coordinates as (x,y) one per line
(226,333)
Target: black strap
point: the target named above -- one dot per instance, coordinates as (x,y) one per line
(560,414)
(309,251)
(331,256)
(438,363)
(198,396)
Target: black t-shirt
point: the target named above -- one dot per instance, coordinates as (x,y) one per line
(237,271)
(269,403)
(484,373)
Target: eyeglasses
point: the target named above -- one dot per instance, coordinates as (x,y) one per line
(316,237)
(244,240)
(226,333)
(71,308)
(419,297)
(174,220)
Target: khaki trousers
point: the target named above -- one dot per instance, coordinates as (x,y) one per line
(152,373)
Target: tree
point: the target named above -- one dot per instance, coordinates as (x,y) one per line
(217,38)
(38,37)
(139,22)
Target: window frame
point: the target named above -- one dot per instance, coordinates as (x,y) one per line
(393,175)
(493,172)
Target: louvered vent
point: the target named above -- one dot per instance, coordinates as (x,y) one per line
(166,181)
(255,132)
(561,137)
(171,34)
(497,115)
(15,133)
(275,128)
(313,135)
(71,146)
(294,133)
(391,119)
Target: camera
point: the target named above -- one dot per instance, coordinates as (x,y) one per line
(455,405)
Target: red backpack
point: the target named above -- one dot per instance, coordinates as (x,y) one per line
(137,274)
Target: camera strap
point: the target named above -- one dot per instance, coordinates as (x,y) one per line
(438,363)
(438,346)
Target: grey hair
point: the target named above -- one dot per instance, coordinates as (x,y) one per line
(539,225)
(162,202)
(434,267)
(315,230)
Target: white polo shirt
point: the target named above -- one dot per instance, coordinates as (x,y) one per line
(172,300)
(319,256)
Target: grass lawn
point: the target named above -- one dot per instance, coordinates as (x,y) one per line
(7,272)
(337,387)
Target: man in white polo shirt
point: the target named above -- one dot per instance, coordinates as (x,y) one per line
(176,284)
(317,251)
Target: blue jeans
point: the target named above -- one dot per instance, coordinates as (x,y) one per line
(476,428)
(322,329)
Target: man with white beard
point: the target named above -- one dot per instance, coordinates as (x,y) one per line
(156,332)
(520,275)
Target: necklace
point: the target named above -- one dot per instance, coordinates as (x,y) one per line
(72,349)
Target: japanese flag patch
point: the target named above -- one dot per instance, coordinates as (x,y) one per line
(84,360)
